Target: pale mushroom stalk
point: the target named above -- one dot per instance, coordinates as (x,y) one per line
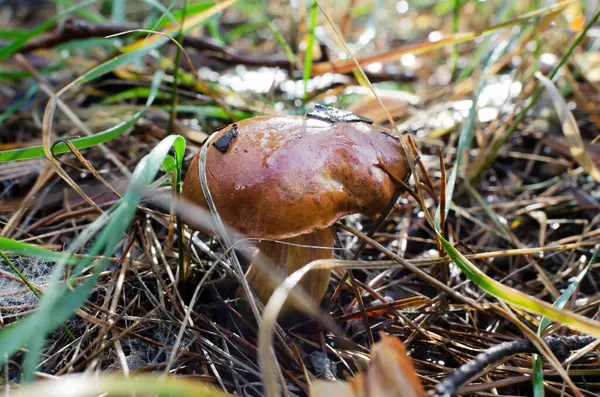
(290,255)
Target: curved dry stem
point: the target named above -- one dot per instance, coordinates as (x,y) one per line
(220,228)
(267,360)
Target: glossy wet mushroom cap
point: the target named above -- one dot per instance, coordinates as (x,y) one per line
(282,177)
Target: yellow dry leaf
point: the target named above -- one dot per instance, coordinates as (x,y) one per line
(390,374)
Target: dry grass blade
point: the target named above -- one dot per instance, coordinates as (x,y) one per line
(268,361)
(189,23)
(222,231)
(570,129)
(47,142)
(345,66)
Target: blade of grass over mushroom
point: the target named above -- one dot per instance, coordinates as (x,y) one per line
(538,369)
(492,152)
(88,141)
(14,46)
(308,54)
(347,65)
(222,230)
(518,298)
(570,129)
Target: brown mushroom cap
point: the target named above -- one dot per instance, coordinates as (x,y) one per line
(283,176)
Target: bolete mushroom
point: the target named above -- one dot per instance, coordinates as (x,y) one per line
(288,179)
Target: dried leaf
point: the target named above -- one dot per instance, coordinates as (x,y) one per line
(390,374)
(396,102)
(324,388)
(391,371)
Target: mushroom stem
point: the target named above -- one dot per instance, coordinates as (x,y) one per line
(289,255)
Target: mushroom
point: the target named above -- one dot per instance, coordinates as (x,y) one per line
(287,179)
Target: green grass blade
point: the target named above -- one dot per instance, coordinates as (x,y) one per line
(16,44)
(20,275)
(209,111)
(17,105)
(11,34)
(455,27)
(58,302)
(166,12)
(308,55)
(518,298)
(118,11)
(169,164)
(34,251)
(90,15)
(88,141)
(281,40)
(538,369)
(133,93)
(466,133)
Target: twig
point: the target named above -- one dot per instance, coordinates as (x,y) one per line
(76,29)
(559,345)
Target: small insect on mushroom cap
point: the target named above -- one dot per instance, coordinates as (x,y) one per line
(283,176)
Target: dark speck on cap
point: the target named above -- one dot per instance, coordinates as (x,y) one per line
(223,143)
(333,115)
